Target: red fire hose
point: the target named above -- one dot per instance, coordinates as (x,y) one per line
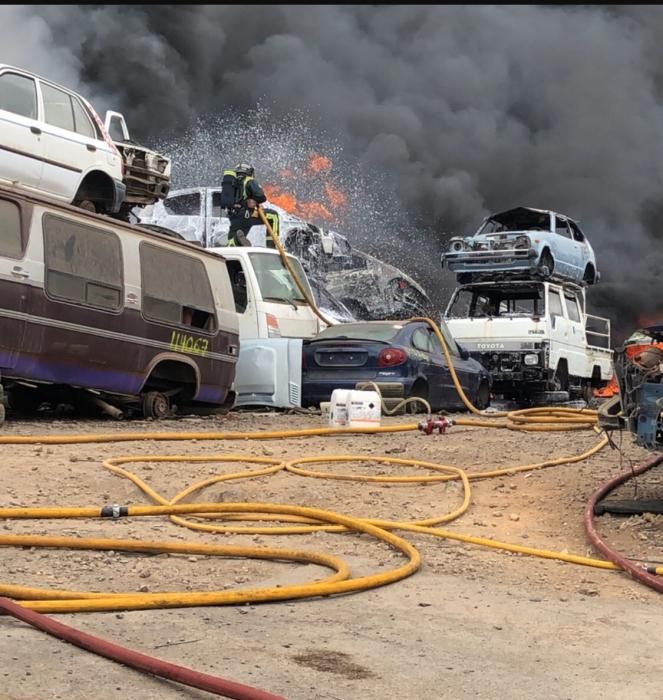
(635,570)
(134,659)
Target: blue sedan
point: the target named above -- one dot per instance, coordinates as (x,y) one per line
(403,359)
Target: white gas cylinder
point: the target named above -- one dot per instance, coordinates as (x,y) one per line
(363,409)
(338,410)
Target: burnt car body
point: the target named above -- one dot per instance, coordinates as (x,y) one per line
(523,241)
(639,405)
(404,360)
(368,287)
(146,172)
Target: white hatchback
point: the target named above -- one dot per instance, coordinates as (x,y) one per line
(53,142)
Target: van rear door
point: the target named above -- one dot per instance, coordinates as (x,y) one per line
(13,283)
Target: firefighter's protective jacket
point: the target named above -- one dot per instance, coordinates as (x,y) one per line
(236,189)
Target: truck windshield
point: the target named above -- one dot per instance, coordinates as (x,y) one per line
(274,280)
(525,301)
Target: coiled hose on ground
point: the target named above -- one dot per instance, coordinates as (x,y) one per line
(228,518)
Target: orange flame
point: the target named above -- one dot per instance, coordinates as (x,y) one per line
(318,163)
(305,210)
(609,390)
(335,196)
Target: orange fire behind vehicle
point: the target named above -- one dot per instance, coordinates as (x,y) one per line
(333,204)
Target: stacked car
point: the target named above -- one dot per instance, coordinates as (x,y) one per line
(520,307)
(523,243)
(53,143)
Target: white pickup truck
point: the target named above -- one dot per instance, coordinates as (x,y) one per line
(533,337)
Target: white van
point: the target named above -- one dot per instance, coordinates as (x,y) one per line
(53,142)
(274,317)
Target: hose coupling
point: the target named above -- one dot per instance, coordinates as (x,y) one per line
(431,424)
(115,511)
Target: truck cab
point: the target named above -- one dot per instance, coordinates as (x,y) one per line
(533,337)
(267,300)
(274,317)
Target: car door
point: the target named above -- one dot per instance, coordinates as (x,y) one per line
(426,367)
(69,143)
(183,212)
(559,325)
(581,245)
(216,225)
(20,130)
(566,259)
(450,396)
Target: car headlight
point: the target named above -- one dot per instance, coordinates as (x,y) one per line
(457,246)
(531,359)
(521,242)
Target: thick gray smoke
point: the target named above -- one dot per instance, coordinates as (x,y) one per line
(441,113)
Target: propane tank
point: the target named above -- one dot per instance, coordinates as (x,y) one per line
(363,409)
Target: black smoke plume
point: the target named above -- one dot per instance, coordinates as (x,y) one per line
(440,113)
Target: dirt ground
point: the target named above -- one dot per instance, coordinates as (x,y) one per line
(471,623)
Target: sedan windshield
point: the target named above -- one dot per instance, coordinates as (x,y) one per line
(384,332)
(275,281)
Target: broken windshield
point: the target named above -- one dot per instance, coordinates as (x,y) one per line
(520,219)
(504,302)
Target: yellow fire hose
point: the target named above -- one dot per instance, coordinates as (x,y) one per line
(224,517)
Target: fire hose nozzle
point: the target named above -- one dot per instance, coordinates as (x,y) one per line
(439,423)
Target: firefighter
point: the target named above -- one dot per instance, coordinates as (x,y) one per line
(240,196)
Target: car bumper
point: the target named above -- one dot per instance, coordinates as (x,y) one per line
(314,393)
(483,260)
(119,194)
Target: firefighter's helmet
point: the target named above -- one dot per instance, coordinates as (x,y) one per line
(244,169)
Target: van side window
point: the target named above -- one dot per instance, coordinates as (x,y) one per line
(555,304)
(83,263)
(176,288)
(183,205)
(238,284)
(572,308)
(18,94)
(57,108)
(10,230)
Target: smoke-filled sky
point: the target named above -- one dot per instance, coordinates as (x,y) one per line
(438,114)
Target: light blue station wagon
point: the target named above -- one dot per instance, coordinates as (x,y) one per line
(524,241)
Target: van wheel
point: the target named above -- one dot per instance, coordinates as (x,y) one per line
(156,405)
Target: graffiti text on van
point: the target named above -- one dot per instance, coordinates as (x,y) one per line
(187,343)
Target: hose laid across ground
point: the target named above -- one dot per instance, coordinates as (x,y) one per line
(643,575)
(299,519)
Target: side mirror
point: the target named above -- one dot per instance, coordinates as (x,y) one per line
(464,355)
